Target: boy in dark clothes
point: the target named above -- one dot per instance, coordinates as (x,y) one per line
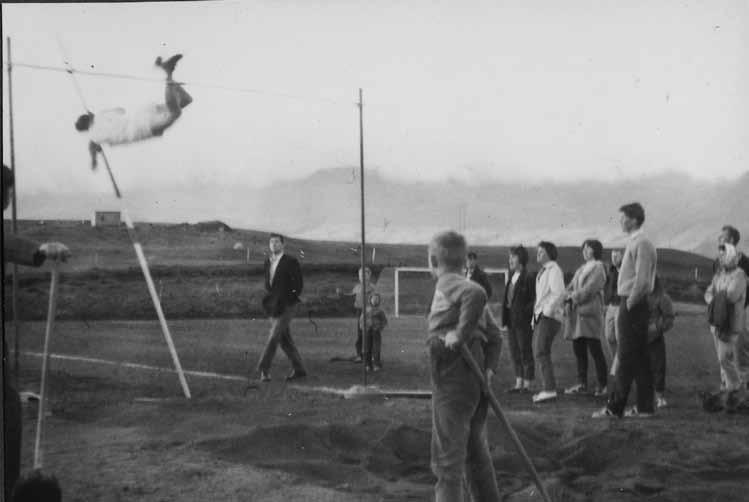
(376,322)
(661,320)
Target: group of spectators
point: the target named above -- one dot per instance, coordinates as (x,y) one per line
(624,304)
(619,309)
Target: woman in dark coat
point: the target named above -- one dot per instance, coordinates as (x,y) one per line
(517,312)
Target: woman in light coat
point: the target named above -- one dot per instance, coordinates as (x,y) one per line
(584,317)
(731,281)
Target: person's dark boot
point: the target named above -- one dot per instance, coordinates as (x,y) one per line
(168,65)
(732,401)
(712,402)
(296,375)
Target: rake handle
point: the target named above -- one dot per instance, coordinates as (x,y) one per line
(468,357)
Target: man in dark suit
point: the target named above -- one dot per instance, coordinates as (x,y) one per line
(474,273)
(283,283)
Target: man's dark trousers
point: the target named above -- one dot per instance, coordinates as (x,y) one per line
(280,334)
(634,359)
(359,335)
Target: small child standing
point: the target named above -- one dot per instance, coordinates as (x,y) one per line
(376,322)
(458,316)
(365,276)
(661,320)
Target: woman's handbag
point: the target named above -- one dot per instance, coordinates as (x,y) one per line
(569,322)
(719,314)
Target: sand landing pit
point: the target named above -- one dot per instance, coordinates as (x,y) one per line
(377,456)
(617,460)
(363,457)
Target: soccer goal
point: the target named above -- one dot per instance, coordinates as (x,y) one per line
(413,288)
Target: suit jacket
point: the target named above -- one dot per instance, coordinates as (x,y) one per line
(480,277)
(520,312)
(286,287)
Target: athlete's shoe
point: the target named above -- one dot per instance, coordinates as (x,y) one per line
(544,396)
(169,64)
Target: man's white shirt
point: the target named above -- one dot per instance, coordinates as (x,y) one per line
(274,259)
(515,277)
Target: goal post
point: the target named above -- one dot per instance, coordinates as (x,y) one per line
(497,277)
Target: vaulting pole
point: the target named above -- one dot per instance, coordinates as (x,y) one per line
(51,311)
(149,284)
(14,227)
(363,240)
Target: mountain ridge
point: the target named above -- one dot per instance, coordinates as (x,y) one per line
(681,212)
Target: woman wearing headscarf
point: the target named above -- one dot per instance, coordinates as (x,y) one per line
(726,296)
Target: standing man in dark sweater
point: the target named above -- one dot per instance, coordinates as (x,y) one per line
(283,283)
(731,235)
(474,273)
(22,252)
(636,282)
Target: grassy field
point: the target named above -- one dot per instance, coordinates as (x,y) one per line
(199,274)
(284,443)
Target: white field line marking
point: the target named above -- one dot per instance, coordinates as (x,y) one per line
(205,374)
(359,390)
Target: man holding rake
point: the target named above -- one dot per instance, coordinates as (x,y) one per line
(459,317)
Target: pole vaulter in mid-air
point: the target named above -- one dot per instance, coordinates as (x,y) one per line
(118,126)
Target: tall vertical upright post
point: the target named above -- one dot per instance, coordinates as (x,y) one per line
(363,240)
(14,207)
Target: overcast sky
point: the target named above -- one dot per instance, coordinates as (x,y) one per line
(515,90)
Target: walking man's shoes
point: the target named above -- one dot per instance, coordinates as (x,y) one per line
(604,412)
(264,377)
(577,389)
(544,396)
(633,412)
(296,375)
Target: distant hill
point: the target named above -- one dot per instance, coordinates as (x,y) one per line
(682,213)
(215,243)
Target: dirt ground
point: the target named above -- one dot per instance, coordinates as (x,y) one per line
(117,434)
